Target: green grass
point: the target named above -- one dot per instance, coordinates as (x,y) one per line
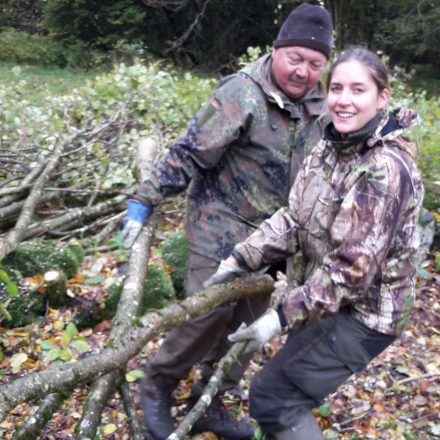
(37,82)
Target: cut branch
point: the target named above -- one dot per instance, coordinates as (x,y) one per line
(75,216)
(209,392)
(128,308)
(32,428)
(67,376)
(136,428)
(14,237)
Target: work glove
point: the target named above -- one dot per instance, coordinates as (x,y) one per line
(226,272)
(259,332)
(137,216)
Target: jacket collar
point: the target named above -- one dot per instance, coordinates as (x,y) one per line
(261,73)
(384,127)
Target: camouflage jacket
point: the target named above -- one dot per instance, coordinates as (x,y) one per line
(238,158)
(353,212)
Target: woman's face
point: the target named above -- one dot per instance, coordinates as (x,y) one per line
(353,97)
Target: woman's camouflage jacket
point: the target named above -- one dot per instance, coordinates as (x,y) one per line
(353,212)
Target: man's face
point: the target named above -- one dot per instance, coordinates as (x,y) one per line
(297,69)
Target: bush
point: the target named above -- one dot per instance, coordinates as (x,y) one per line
(21,47)
(153,97)
(426,134)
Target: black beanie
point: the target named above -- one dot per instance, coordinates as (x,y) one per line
(307,26)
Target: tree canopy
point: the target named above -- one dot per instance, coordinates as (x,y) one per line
(215,32)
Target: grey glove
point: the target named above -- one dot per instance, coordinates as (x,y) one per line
(130,232)
(226,272)
(259,332)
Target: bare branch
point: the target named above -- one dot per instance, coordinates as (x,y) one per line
(67,376)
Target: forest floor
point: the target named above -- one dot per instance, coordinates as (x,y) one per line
(396,398)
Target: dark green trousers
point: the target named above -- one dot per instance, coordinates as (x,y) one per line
(204,340)
(315,360)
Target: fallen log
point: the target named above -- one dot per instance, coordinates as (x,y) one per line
(67,376)
(129,307)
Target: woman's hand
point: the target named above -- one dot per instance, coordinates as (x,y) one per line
(259,332)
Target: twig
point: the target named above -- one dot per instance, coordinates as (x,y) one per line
(412,379)
(112,224)
(352,419)
(209,392)
(136,428)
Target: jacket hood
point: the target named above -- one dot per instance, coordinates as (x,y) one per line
(261,73)
(384,127)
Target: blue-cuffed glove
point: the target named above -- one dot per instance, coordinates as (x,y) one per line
(137,216)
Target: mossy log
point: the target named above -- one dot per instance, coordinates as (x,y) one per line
(39,256)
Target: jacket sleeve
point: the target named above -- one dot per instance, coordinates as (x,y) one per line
(277,237)
(219,122)
(362,236)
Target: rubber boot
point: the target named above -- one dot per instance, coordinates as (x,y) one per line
(306,429)
(155,393)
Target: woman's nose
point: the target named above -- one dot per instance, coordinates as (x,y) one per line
(344,97)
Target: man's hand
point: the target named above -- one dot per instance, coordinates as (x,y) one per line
(226,272)
(137,216)
(259,332)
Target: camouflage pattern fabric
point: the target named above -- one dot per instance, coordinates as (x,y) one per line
(238,158)
(353,212)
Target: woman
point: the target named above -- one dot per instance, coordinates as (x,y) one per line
(352,212)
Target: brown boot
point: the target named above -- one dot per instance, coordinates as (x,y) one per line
(155,392)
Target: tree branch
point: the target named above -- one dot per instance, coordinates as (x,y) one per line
(34,425)
(209,392)
(67,376)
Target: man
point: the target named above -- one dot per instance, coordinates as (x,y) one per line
(237,162)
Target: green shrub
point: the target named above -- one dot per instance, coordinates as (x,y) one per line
(426,134)
(149,96)
(21,47)
(174,251)
(23,309)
